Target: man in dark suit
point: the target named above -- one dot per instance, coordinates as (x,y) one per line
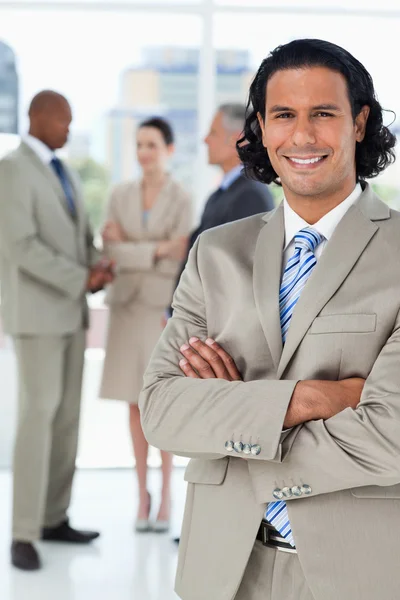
(237,197)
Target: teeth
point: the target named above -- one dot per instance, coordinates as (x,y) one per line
(306,161)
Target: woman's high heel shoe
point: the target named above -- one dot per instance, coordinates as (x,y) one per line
(143,525)
(163,525)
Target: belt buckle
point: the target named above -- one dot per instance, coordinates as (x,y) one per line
(265,534)
(268,540)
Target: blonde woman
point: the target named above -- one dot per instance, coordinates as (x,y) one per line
(146,235)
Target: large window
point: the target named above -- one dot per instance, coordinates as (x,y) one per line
(116,68)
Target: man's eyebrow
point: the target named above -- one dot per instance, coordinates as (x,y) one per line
(280,108)
(332,107)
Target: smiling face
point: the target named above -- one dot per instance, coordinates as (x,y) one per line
(310,134)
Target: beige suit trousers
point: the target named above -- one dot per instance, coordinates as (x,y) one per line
(273,575)
(50,378)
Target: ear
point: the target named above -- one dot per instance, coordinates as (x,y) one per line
(361,123)
(171,149)
(262,126)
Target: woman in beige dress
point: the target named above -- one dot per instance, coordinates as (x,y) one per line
(148,221)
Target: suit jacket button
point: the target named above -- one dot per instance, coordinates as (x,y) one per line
(246,449)
(238,446)
(287,492)
(297,491)
(229,445)
(306,489)
(255,449)
(277,494)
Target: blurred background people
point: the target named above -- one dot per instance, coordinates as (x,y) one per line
(237,196)
(146,235)
(48,263)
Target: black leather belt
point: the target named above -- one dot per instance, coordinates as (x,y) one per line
(270,537)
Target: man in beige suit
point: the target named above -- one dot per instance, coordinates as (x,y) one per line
(48,263)
(294,482)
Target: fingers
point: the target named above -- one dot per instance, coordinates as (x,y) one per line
(205,360)
(226,358)
(196,362)
(187,369)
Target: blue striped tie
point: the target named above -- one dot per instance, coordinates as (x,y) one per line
(297,271)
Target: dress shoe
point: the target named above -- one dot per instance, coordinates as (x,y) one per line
(65,533)
(24,556)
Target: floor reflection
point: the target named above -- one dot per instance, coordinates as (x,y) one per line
(120,565)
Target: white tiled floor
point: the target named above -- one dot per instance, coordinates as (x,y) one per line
(121,565)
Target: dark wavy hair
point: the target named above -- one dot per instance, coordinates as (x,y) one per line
(163,127)
(373,154)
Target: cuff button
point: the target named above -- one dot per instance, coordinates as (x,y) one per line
(255,449)
(238,447)
(229,445)
(277,494)
(246,449)
(287,492)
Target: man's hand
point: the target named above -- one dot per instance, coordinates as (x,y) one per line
(112,232)
(100,275)
(313,400)
(207,361)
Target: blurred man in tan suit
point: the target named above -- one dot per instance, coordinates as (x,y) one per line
(48,263)
(294,482)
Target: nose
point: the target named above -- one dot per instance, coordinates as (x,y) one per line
(303,132)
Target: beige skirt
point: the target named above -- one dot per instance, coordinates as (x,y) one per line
(133,332)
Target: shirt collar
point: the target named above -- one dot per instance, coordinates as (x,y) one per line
(231,176)
(39,148)
(325,226)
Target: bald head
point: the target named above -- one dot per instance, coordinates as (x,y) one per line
(50,117)
(46,100)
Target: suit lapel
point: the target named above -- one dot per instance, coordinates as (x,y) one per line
(46,170)
(51,177)
(161,204)
(348,242)
(266,280)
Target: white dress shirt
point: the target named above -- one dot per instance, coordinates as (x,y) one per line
(325,226)
(43,152)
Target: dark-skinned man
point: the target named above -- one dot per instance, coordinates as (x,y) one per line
(48,263)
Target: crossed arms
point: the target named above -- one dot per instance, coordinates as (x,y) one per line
(344,434)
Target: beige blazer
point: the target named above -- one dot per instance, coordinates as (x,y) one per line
(139,278)
(346,324)
(44,253)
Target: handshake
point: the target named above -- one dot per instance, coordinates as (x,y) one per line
(100,275)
